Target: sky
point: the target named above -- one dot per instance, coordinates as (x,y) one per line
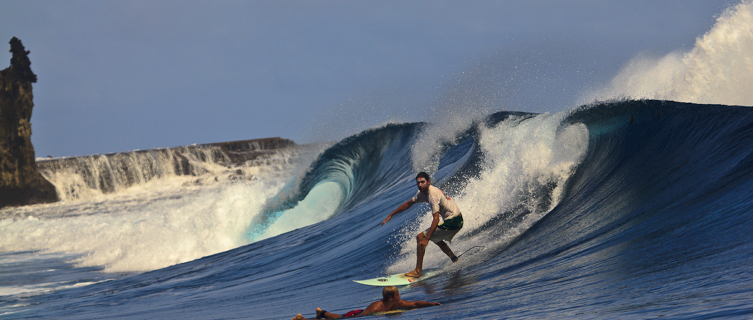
(115,76)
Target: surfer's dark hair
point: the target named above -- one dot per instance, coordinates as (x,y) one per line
(423,175)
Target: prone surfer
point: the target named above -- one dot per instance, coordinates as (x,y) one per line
(390,301)
(441,205)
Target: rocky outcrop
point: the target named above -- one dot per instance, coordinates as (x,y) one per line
(20,183)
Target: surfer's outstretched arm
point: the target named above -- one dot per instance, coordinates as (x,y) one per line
(401,208)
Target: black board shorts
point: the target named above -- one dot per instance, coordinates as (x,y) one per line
(447,230)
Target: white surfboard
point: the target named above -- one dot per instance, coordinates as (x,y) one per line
(400,279)
(397,279)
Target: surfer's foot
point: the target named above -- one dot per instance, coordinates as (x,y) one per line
(414,274)
(454,259)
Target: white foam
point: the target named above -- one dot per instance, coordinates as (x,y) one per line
(39,289)
(141,231)
(718,70)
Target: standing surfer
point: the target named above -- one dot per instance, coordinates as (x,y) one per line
(441,205)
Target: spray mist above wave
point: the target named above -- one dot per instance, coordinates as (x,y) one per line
(718,70)
(449,124)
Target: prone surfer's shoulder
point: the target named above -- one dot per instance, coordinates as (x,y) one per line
(376,306)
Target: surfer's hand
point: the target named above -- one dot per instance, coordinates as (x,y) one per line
(385,220)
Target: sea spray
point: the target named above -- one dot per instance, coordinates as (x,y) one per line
(436,137)
(718,70)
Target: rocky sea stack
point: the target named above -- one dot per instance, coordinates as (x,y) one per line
(20,182)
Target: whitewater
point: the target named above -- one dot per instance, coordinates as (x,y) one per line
(633,204)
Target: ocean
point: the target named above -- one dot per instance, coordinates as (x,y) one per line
(628,208)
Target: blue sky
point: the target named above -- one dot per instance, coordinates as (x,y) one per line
(123,75)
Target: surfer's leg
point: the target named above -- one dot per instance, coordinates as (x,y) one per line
(446,249)
(321,314)
(420,251)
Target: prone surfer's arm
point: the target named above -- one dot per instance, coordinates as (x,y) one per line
(416,304)
(434,224)
(401,208)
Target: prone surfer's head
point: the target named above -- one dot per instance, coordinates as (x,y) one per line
(389,292)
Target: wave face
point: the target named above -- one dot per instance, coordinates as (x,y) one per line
(630,209)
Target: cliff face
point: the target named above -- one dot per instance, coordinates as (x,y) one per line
(20,183)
